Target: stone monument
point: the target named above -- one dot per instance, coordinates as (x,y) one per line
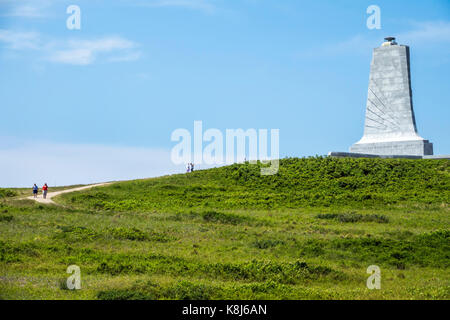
(390,126)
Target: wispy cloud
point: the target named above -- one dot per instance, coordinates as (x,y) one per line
(73,56)
(207,6)
(132,56)
(355,45)
(26,11)
(84,52)
(17,40)
(428,33)
(25,8)
(420,34)
(75,52)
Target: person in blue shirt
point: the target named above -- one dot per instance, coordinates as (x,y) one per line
(35,190)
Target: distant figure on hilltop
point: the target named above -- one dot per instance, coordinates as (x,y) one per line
(45,190)
(35,190)
(190,167)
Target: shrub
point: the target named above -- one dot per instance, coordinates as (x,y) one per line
(15,252)
(129,234)
(124,294)
(186,290)
(72,233)
(354,217)
(266,243)
(429,249)
(62,284)
(7,193)
(225,218)
(286,272)
(181,290)
(6,218)
(138,235)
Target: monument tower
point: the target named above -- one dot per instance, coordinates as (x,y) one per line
(390,125)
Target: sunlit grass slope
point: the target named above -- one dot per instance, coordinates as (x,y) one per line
(309,232)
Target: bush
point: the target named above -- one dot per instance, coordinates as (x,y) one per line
(286,272)
(6,218)
(266,243)
(7,193)
(124,294)
(429,249)
(354,217)
(76,233)
(138,235)
(186,290)
(181,290)
(214,216)
(129,234)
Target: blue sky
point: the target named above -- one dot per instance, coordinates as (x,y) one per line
(100,103)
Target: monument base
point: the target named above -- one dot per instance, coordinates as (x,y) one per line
(406,148)
(361,155)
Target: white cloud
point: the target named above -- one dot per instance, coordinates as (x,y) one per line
(26,11)
(75,52)
(202,5)
(105,44)
(128,57)
(25,8)
(356,45)
(74,56)
(84,52)
(17,40)
(25,163)
(421,34)
(428,32)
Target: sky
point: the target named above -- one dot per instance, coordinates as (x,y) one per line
(100,103)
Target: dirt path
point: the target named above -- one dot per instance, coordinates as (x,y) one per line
(50,195)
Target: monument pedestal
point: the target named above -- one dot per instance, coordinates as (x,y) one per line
(374,156)
(408,147)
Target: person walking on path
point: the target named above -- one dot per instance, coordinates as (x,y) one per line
(35,190)
(45,190)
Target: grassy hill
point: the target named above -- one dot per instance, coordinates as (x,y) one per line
(309,232)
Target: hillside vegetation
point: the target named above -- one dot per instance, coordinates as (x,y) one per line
(309,232)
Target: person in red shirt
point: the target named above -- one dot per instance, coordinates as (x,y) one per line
(45,190)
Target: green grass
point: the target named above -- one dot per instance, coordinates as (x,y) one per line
(309,232)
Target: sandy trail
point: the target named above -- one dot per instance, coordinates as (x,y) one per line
(50,195)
